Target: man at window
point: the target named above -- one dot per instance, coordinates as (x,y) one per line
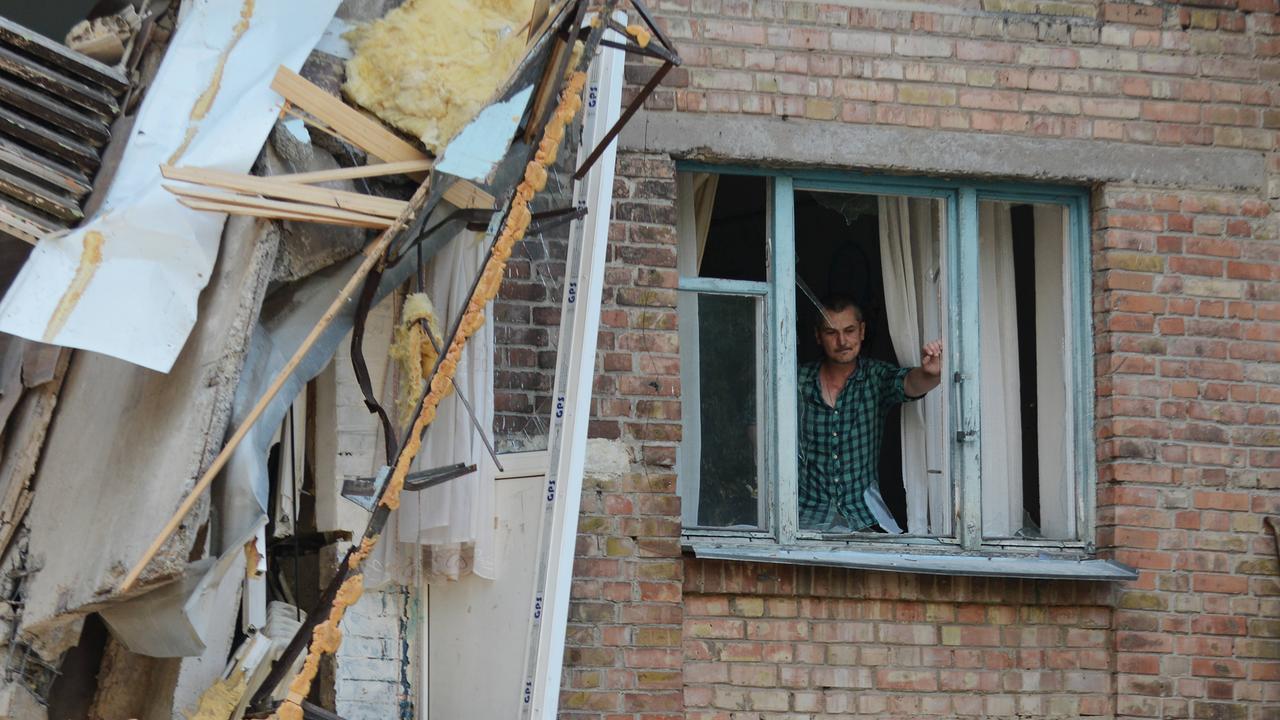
(843,403)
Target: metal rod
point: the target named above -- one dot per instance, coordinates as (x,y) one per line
(426,330)
(630,49)
(556,218)
(415,482)
(636,102)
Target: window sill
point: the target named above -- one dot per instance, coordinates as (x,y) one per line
(1020,566)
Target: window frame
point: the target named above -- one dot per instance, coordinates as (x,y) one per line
(779,475)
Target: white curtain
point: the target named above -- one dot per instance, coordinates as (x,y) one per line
(448,531)
(696,193)
(1001,427)
(1053,372)
(910,267)
(704,201)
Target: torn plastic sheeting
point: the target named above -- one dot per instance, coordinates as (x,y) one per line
(126,283)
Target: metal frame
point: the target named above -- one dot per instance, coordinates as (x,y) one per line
(961,201)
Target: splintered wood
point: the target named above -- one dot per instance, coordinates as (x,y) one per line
(293,196)
(326,637)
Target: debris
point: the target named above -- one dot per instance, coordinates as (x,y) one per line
(157,254)
(372,255)
(105,38)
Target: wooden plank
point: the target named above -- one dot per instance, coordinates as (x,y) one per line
(464,195)
(546,85)
(19,227)
(270,187)
(539,16)
(45,200)
(86,67)
(63,177)
(318,212)
(24,224)
(364,133)
(91,128)
(64,147)
(403,167)
(56,83)
(230,209)
(367,134)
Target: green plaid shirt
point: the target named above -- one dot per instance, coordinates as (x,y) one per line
(840,446)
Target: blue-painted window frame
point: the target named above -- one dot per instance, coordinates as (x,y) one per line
(961,200)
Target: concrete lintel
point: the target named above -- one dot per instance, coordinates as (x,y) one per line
(798,142)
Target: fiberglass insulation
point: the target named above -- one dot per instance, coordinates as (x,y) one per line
(429,66)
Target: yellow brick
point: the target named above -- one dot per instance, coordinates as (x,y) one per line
(1069,9)
(1136,262)
(914,95)
(1208,287)
(819,109)
(748,607)
(950,635)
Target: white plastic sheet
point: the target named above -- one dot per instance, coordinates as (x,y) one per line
(130,291)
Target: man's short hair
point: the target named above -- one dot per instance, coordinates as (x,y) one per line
(839,303)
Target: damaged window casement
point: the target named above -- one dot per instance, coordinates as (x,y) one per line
(980,470)
(297,485)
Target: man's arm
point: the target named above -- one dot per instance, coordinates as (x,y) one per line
(921,380)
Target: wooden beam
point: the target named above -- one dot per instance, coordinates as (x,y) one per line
(464,195)
(320,213)
(402,167)
(59,85)
(33,43)
(276,214)
(272,187)
(92,129)
(47,170)
(24,224)
(48,201)
(63,146)
(366,134)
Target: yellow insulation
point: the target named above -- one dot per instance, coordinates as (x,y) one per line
(429,66)
(413,352)
(326,637)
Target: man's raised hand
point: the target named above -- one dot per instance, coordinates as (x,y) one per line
(931,358)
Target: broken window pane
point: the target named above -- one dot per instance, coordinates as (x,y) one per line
(527,319)
(723,440)
(729,226)
(1028,488)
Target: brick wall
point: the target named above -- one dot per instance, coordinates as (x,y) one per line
(770,640)
(1187,345)
(1187,303)
(623,657)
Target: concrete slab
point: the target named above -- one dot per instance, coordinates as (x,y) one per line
(798,142)
(128,442)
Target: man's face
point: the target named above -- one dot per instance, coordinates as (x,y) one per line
(843,342)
